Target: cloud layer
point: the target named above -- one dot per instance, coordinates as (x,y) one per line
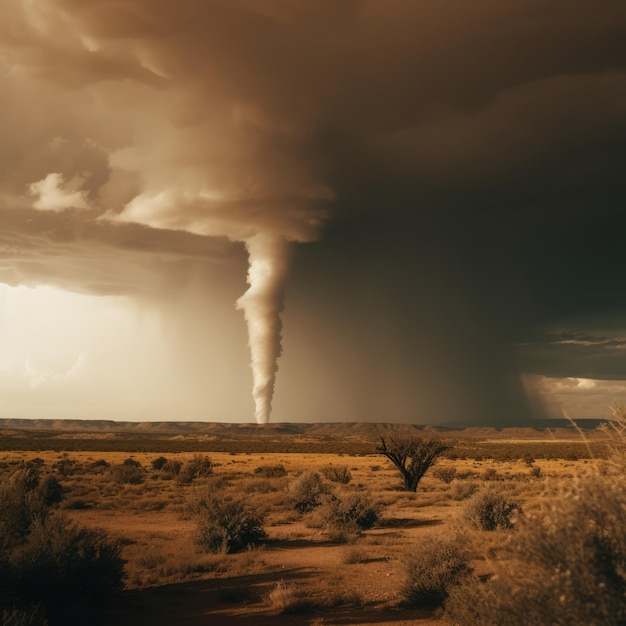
(461,161)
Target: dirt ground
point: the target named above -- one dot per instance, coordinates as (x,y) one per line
(355,583)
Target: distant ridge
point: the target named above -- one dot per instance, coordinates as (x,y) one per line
(347,431)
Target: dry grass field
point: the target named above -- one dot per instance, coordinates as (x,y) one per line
(327,536)
(303,570)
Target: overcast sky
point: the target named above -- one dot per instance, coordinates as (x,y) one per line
(430,193)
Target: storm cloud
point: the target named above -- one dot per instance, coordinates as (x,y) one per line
(453,170)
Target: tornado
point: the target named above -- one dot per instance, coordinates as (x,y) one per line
(262,305)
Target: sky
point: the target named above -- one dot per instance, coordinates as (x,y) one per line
(311,210)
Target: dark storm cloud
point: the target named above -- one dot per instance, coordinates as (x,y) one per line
(576,355)
(463,161)
(300,99)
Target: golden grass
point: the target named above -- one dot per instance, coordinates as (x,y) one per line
(151,519)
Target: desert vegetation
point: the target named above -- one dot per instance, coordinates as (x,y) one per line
(329,537)
(491,509)
(224,524)
(52,570)
(412,455)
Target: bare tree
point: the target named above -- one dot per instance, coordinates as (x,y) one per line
(412,455)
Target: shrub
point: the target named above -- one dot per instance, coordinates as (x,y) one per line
(172,468)
(615,428)
(490,510)
(65,467)
(465,475)
(354,554)
(343,517)
(158,463)
(288,598)
(197,467)
(65,567)
(305,491)
(432,569)
(51,570)
(337,473)
(490,473)
(462,489)
(270,471)
(167,469)
(445,474)
(225,525)
(51,491)
(565,567)
(128,473)
(24,499)
(25,479)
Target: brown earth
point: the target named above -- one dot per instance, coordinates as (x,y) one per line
(357,583)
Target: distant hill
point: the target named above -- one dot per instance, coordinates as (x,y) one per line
(345,431)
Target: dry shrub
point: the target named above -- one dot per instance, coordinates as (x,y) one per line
(62,564)
(248,561)
(616,431)
(171,469)
(305,491)
(65,467)
(197,467)
(465,475)
(354,554)
(344,516)
(337,473)
(432,569)
(445,474)
(158,463)
(289,598)
(565,567)
(24,500)
(491,509)
(225,525)
(130,472)
(270,471)
(173,565)
(51,570)
(462,489)
(340,595)
(97,467)
(490,473)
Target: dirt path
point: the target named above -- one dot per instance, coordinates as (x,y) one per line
(242,601)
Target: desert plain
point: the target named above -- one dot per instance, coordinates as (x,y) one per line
(300,572)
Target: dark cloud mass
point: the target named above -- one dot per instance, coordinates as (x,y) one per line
(452,171)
